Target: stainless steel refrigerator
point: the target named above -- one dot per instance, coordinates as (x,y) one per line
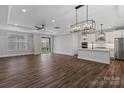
(119,48)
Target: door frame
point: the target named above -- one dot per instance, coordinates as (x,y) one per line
(50,43)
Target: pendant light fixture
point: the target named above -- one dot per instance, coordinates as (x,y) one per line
(84,26)
(76,27)
(101,35)
(88,24)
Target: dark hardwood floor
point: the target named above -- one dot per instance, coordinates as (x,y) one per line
(55,70)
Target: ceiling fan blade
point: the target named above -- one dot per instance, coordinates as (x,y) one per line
(37,27)
(40,27)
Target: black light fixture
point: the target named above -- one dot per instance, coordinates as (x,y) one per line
(75,27)
(86,25)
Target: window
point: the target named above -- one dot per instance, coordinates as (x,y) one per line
(17,42)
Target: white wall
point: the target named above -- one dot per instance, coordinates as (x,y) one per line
(52,41)
(4,44)
(34,43)
(63,44)
(37,43)
(75,43)
(69,44)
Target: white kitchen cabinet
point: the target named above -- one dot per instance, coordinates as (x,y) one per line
(109,37)
(118,33)
(112,53)
(97,55)
(91,38)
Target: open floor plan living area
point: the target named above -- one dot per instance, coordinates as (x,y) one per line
(62,46)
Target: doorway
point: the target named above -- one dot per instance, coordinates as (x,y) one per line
(46,45)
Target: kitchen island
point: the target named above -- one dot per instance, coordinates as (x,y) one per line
(95,55)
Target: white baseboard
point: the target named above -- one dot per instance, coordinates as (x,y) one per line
(64,53)
(11,55)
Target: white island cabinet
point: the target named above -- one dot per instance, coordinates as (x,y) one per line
(96,55)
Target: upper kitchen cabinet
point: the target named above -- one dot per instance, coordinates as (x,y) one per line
(91,38)
(114,34)
(118,33)
(109,37)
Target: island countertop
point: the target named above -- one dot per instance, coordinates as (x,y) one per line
(95,49)
(95,55)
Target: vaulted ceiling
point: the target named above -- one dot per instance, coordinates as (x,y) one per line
(63,15)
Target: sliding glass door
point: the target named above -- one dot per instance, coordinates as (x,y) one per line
(46,44)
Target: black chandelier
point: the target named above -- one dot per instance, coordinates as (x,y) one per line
(86,25)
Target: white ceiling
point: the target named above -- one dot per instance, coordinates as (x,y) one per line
(43,14)
(3,14)
(64,15)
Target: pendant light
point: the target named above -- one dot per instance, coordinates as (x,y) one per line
(75,27)
(84,26)
(88,24)
(101,33)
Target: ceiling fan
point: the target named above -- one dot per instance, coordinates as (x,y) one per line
(42,27)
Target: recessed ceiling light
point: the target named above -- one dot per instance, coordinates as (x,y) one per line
(42,29)
(109,27)
(53,20)
(16,24)
(69,25)
(52,32)
(24,10)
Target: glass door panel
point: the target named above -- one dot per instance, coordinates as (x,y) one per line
(45,45)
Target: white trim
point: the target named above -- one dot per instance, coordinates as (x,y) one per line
(11,55)
(65,53)
(37,53)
